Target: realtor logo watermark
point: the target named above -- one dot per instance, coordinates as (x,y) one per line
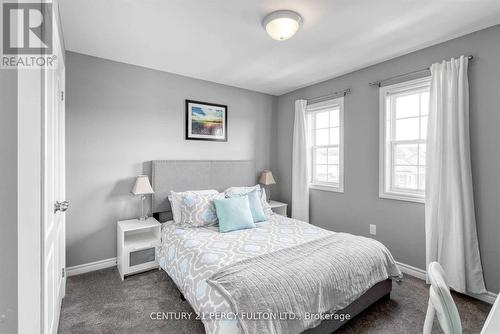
(27,35)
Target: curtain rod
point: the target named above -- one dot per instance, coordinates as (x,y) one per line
(378,83)
(328,96)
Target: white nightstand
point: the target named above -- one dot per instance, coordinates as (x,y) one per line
(136,245)
(278,207)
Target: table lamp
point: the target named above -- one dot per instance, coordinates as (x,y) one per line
(142,187)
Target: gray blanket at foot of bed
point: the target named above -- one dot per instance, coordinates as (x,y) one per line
(286,291)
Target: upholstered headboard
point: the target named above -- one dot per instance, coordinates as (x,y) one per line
(181,175)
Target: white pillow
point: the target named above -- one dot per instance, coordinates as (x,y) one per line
(265,205)
(229,192)
(240,190)
(175,199)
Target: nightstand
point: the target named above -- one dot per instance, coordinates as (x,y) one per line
(136,245)
(278,207)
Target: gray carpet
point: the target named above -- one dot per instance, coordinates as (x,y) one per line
(99,302)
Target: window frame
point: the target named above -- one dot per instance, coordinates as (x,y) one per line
(312,110)
(386,173)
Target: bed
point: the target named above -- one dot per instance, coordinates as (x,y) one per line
(264,279)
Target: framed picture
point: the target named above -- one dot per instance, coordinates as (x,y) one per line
(206,121)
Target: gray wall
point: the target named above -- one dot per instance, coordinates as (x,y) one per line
(400,225)
(119,116)
(8,201)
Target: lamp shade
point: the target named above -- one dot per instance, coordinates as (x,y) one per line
(142,186)
(266,178)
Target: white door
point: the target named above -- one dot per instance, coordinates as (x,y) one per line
(54,196)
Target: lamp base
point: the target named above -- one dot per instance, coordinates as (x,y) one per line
(143,216)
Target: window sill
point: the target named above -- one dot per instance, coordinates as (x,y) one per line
(402,197)
(326,188)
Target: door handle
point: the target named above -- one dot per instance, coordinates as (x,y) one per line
(61,206)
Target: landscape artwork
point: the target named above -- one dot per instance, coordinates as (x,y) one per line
(206,121)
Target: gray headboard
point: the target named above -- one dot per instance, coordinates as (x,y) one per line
(181,175)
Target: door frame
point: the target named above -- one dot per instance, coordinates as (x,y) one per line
(29,199)
(30,180)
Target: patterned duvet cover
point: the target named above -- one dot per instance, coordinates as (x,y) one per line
(192,255)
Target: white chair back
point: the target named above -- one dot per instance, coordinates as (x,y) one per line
(441,303)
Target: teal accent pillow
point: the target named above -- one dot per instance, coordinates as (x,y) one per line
(234,214)
(256,206)
(255,201)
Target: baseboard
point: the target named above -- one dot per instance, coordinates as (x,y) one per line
(412,271)
(488,297)
(92,266)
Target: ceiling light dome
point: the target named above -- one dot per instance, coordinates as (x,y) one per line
(282,24)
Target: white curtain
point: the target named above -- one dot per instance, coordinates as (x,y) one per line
(450,223)
(300,164)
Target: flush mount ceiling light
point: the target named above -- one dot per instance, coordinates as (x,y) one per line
(282,24)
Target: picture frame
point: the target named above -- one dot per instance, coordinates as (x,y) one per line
(206,121)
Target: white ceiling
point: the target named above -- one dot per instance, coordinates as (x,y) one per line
(223,40)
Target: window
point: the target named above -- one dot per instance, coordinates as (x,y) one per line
(404,112)
(326,135)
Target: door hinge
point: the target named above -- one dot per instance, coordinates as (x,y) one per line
(62,95)
(63,272)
